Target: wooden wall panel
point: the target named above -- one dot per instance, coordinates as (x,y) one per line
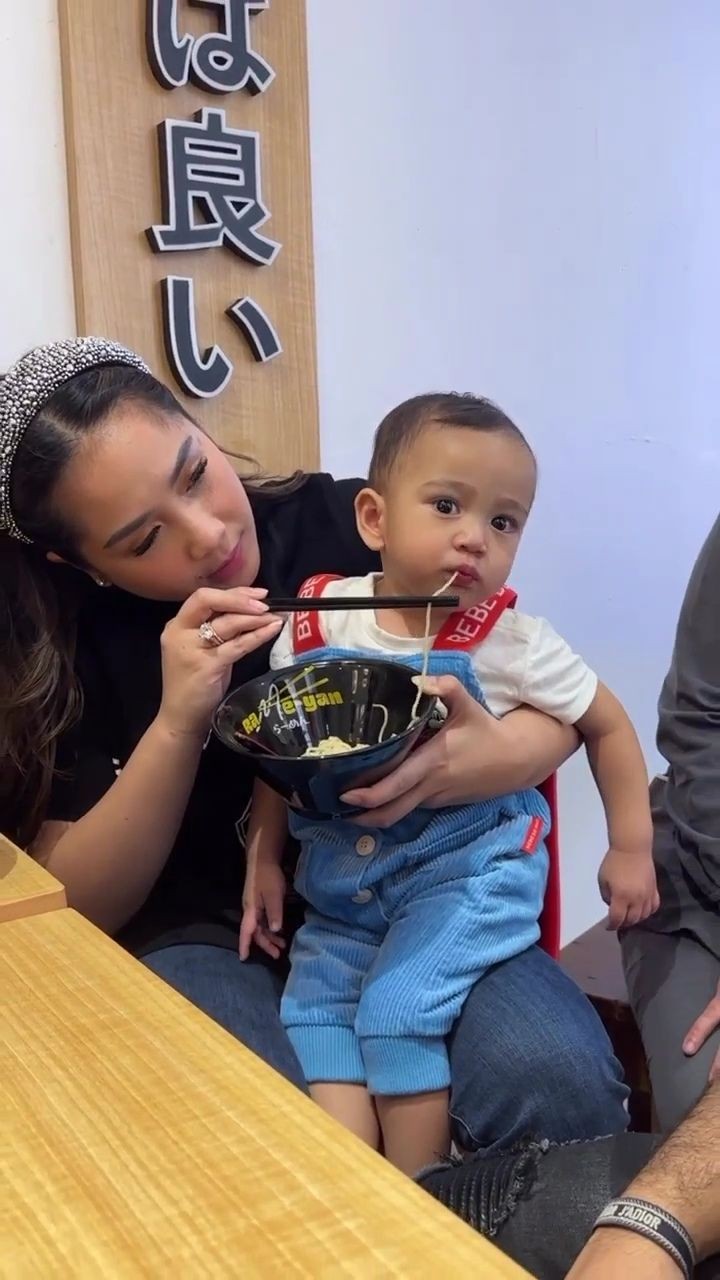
(113,107)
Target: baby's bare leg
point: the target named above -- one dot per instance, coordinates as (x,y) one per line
(415,1128)
(352,1106)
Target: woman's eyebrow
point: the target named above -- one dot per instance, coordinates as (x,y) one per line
(135,524)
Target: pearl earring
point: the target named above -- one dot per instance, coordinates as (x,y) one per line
(101,582)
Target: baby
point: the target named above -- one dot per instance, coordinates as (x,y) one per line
(401,923)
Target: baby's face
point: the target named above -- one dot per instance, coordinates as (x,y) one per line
(457,503)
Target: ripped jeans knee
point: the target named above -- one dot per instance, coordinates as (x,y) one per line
(539,1201)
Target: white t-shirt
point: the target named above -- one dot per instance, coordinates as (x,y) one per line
(523,661)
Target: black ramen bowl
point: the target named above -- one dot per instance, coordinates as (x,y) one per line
(276,718)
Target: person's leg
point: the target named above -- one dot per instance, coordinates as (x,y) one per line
(243,997)
(415,1128)
(529,1055)
(671,978)
(352,1107)
(538,1204)
(328,962)
(462,914)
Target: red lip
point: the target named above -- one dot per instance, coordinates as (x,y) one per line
(230,567)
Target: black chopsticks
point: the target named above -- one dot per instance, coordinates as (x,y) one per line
(300,604)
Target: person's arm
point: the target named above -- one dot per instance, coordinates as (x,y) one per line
(688,738)
(683,1178)
(627,876)
(264,891)
(264,888)
(110,859)
(689,710)
(473,757)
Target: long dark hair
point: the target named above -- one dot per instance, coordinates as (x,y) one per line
(40,697)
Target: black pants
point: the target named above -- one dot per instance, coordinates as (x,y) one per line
(539,1203)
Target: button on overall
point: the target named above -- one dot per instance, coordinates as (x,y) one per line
(365,846)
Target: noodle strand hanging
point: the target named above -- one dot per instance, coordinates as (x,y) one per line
(427,647)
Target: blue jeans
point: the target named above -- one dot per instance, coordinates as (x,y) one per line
(528,1054)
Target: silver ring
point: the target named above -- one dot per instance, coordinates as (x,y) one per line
(209,635)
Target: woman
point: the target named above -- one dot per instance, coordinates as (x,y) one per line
(672,961)
(125,532)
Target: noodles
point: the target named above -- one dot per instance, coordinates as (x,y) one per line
(332,746)
(426,648)
(380,706)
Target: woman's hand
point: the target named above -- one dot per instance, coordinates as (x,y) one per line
(196,674)
(473,757)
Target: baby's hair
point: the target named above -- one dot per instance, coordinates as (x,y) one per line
(404,425)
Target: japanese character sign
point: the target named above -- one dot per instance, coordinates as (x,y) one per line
(222,63)
(208,165)
(210,178)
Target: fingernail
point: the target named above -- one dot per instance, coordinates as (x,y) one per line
(256,606)
(688,1046)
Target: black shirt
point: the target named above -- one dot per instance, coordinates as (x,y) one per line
(197,897)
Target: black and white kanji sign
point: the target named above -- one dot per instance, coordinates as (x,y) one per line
(210,178)
(206,373)
(208,168)
(221,62)
(257,329)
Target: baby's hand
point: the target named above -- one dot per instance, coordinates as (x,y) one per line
(628,885)
(263,910)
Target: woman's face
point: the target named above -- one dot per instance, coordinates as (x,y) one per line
(158,508)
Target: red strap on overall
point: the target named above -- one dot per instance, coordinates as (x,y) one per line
(464,629)
(307,628)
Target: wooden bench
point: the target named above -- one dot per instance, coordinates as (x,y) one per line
(593,961)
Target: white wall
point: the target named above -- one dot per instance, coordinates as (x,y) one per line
(523,199)
(514,198)
(36,298)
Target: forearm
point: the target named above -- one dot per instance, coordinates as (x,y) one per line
(684,1175)
(615,1254)
(619,770)
(264,891)
(110,859)
(537,746)
(267,830)
(618,766)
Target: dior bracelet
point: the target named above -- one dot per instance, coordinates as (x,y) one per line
(656,1224)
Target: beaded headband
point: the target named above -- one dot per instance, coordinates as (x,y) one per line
(25,389)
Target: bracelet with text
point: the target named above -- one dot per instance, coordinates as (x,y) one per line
(656,1224)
